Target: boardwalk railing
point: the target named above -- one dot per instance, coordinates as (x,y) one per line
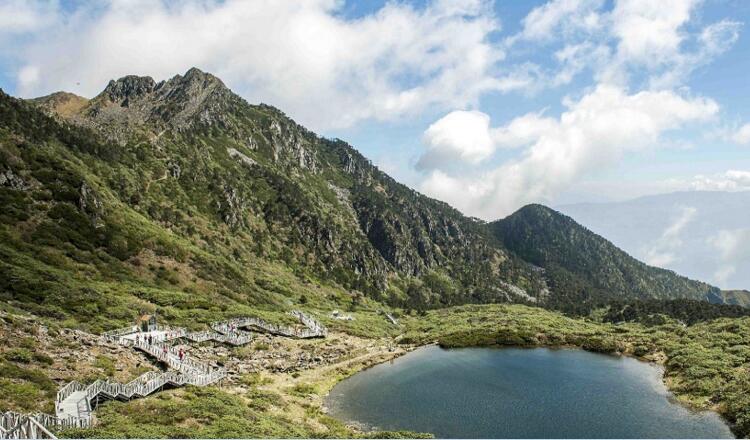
(312,329)
(221,334)
(120,332)
(76,401)
(66,391)
(142,386)
(35,426)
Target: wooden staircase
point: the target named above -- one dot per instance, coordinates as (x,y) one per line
(75,401)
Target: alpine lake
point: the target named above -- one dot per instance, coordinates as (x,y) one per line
(519,393)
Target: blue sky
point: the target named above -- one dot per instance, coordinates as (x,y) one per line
(486,105)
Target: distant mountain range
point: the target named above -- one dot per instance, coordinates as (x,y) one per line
(182,196)
(701,234)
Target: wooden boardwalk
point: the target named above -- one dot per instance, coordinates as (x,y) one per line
(75,401)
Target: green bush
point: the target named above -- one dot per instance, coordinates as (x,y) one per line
(304,389)
(19,354)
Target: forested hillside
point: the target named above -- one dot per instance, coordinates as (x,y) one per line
(584,269)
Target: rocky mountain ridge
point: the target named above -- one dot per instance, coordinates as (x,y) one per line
(182,185)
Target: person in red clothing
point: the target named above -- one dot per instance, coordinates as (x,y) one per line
(181,354)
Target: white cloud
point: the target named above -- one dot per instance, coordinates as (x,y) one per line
(713,41)
(733,247)
(742,135)
(304,57)
(561,16)
(459,135)
(574,58)
(28,75)
(663,251)
(633,37)
(731,180)
(653,37)
(18,16)
(633,44)
(719,37)
(523,130)
(465,137)
(649,31)
(592,134)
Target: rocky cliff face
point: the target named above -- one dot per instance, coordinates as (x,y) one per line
(133,105)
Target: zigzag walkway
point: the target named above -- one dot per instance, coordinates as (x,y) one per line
(76,401)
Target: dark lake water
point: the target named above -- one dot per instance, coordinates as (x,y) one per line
(519,393)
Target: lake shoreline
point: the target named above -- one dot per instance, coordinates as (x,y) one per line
(657,362)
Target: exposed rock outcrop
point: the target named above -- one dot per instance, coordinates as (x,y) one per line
(231,207)
(12,180)
(90,204)
(234,153)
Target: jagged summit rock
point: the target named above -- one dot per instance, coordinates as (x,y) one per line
(129,87)
(137,106)
(195,85)
(183,101)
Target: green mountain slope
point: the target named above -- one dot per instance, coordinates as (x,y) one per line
(583,268)
(181,196)
(734,297)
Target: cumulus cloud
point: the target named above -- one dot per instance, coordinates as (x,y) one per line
(621,42)
(649,31)
(523,130)
(305,57)
(663,251)
(632,44)
(466,137)
(459,135)
(733,247)
(593,133)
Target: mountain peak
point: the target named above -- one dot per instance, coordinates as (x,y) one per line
(536,208)
(129,87)
(192,85)
(195,74)
(584,264)
(137,104)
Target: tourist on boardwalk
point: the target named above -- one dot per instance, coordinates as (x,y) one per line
(150,339)
(181,354)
